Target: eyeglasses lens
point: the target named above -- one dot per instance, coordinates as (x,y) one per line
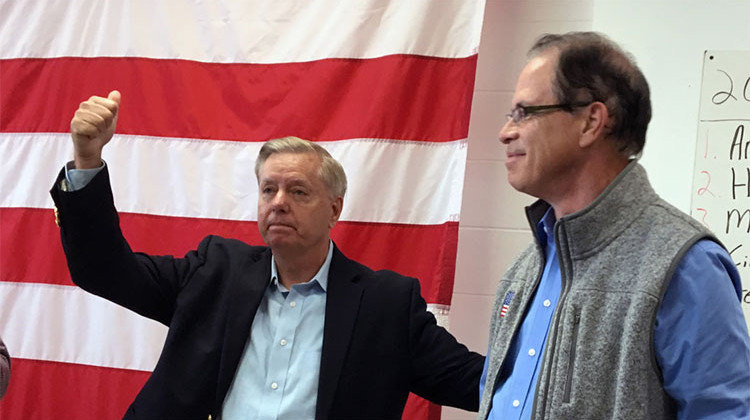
(517,114)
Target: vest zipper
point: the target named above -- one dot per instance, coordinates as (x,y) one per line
(552,335)
(573,344)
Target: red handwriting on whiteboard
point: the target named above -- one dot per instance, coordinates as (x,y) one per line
(703,190)
(703,219)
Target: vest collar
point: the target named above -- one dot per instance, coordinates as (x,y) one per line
(585,231)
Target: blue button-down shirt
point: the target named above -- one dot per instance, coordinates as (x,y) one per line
(699,326)
(278,374)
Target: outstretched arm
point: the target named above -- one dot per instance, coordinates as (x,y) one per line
(445,371)
(99,258)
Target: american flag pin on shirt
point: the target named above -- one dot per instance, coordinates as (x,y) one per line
(506,303)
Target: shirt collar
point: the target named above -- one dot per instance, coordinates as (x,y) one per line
(321,277)
(546,226)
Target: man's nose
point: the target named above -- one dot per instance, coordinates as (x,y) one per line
(280,201)
(508,132)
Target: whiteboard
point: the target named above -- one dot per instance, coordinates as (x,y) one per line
(721,175)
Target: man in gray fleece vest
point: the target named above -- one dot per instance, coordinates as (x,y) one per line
(623,307)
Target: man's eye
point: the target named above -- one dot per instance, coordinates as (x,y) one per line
(299,192)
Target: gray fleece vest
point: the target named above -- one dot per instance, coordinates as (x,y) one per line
(616,259)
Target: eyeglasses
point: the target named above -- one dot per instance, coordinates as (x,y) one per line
(520,112)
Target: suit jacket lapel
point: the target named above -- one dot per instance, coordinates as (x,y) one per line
(247,292)
(342,305)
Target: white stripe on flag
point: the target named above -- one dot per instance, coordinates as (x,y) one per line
(389,181)
(67,324)
(256,31)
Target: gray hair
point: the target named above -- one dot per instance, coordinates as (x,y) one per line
(591,67)
(331,171)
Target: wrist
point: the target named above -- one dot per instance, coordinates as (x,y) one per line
(80,162)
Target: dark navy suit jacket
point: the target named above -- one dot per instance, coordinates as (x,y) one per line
(379,341)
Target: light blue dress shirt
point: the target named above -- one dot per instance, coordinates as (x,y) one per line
(79,178)
(515,399)
(701,339)
(277,377)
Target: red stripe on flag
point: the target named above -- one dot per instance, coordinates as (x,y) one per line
(72,391)
(30,249)
(68,391)
(427,252)
(391,97)
(419,408)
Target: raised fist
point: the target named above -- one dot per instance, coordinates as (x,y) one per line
(92,127)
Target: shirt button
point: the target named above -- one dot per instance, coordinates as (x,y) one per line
(516,403)
(292,304)
(274,385)
(532,352)
(547,303)
(282,342)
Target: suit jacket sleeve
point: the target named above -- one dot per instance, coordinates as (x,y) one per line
(444,370)
(101,261)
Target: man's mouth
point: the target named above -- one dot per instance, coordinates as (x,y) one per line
(511,156)
(280,225)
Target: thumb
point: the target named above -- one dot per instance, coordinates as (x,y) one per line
(115,96)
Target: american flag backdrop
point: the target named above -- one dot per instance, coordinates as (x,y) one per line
(384,85)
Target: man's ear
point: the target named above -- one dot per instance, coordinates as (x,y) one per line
(596,124)
(336,205)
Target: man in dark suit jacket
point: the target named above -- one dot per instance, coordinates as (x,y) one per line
(376,340)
